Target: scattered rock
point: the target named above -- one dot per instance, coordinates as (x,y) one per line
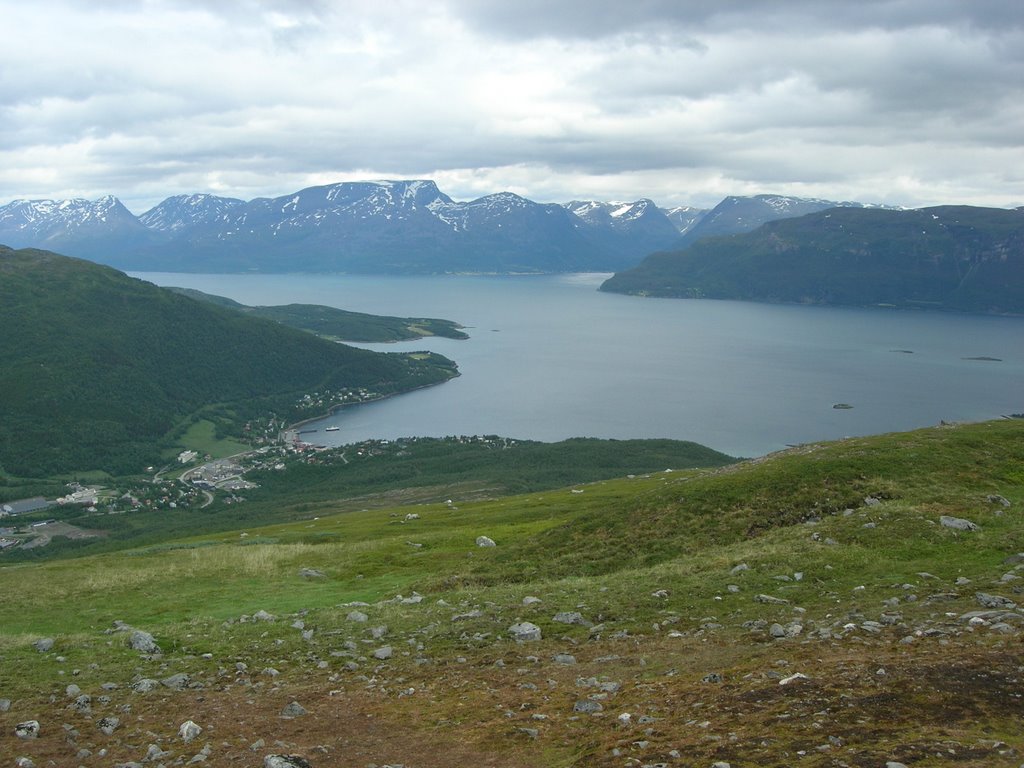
(994,601)
(777,630)
(154,753)
(142,642)
(285,761)
(24,762)
(27,730)
(769,600)
(262,615)
(564,658)
(524,632)
(43,644)
(357,616)
(5,705)
(178,682)
(531,600)
(571,617)
(587,707)
(188,730)
(145,685)
(294,709)
(108,725)
(740,568)
(712,677)
(958,523)
(311,573)
(383,653)
(485,541)
(995,498)
(660,593)
(793,678)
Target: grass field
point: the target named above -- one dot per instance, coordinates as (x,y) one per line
(676,578)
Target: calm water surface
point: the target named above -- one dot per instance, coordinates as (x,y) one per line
(550,357)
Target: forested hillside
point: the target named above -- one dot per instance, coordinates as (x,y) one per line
(99,367)
(951,257)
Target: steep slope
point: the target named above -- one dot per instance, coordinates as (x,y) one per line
(950,257)
(98,367)
(183,212)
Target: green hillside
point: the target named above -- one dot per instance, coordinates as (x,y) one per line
(340,324)
(853,603)
(951,257)
(99,368)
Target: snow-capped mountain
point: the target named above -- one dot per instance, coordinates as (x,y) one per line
(685,217)
(184,211)
(77,224)
(637,228)
(376,226)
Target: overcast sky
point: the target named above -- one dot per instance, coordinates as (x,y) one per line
(910,102)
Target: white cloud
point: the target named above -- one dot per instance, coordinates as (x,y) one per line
(873,100)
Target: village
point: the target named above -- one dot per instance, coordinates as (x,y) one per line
(193,482)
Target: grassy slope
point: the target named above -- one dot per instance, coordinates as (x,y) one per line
(340,324)
(951,690)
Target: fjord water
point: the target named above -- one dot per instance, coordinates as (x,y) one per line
(549,357)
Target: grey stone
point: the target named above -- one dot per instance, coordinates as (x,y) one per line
(994,601)
(357,616)
(524,632)
(587,707)
(777,630)
(565,658)
(531,600)
(178,682)
(894,764)
(154,753)
(958,523)
(378,632)
(312,573)
(571,617)
(533,733)
(108,725)
(43,644)
(995,498)
(5,705)
(485,541)
(72,691)
(142,641)
(712,677)
(293,709)
(189,730)
(871,501)
(383,653)
(285,761)
(263,616)
(24,762)
(740,568)
(27,730)
(474,614)
(769,600)
(82,704)
(145,685)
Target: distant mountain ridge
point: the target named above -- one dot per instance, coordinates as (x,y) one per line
(949,257)
(385,227)
(370,227)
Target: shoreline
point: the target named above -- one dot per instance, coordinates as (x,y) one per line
(293,429)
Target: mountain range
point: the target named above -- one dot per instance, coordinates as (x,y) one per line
(378,227)
(948,257)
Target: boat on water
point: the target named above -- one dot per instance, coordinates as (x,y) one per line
(332,429)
